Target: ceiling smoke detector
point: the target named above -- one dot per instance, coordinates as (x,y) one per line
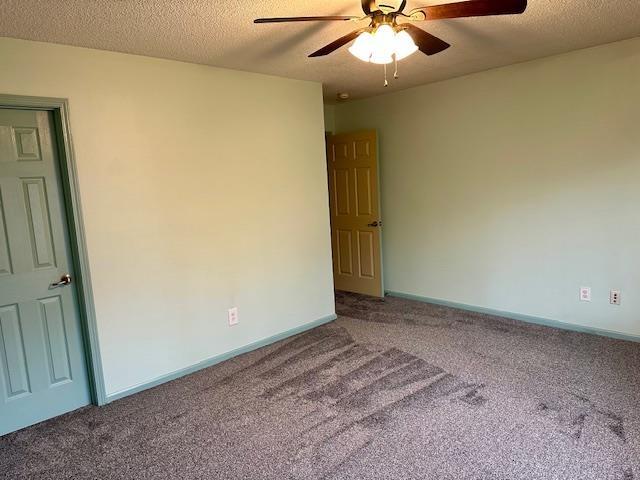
(343,96)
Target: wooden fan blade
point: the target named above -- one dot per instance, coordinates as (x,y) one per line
(333,18)
(336,44)
(426,42)
(470,8)
(368,6)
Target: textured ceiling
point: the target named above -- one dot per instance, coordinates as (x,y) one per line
(221,33)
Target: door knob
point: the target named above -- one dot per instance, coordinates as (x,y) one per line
(64,280)
(374,224)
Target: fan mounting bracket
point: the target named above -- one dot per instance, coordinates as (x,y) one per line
(380,18)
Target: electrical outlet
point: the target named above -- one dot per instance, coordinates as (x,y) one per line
(614,297)
(233,316)
(585,294)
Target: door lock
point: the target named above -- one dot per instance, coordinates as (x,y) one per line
(375,224)
(64,280)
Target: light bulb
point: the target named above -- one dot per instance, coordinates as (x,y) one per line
(404,45)
(384,41)
(362,48)
(383,44)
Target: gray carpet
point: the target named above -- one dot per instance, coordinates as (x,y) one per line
(393,389)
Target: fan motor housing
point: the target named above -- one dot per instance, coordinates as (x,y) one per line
(387,6)
(380,18)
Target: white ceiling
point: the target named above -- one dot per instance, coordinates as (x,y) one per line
(221,33)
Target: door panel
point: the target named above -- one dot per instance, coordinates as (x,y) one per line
(35,200)
(42,359)
(341,191)
(363,191)
(55,340)
(27,144)
(344,252)
(15,364)
(366,254)
(353,197)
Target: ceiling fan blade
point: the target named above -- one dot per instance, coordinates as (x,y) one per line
(470,8)
(333,18)
(368,6)
(427,43)
(336,44)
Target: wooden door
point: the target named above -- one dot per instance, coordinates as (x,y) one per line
(42,362)
(352,160)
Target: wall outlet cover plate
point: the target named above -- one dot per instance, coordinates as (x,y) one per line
(614,297)
(233,316)
(585,294)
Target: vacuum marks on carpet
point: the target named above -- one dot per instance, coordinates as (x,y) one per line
(349,401)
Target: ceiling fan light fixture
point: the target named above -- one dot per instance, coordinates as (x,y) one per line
(383,42)
(362,48)
(381,45)
(404,45)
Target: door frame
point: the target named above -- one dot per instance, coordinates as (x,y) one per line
(75,225)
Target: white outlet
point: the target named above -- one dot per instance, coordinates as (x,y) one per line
(585,294)
(614,297)
(233,316)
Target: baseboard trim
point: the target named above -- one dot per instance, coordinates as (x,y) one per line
(219,358)
(518,316)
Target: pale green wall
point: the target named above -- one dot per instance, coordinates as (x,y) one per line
(202,189)
(510,189)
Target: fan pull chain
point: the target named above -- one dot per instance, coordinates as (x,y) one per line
(386,84)
(395,62)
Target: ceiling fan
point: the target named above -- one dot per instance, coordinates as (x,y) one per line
(385,40)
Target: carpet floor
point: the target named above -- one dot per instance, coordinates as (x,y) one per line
(393,389)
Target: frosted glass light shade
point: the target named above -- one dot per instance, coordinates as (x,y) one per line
(404,45)
(380,58)
(381,46)
(362,48)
